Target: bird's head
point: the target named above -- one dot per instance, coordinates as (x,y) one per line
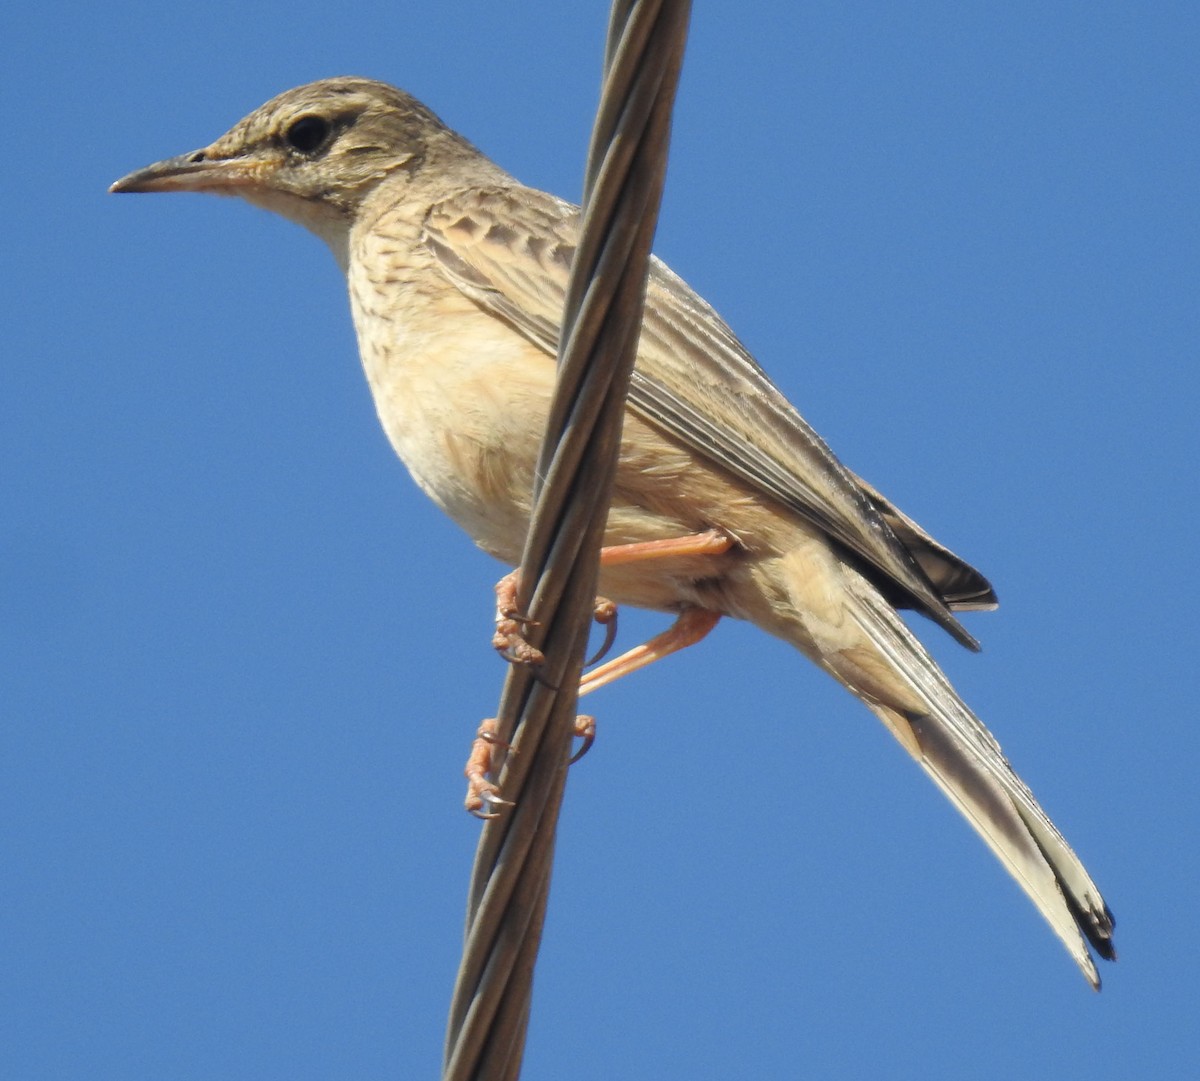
(312,154)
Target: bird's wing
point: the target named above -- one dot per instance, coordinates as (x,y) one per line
(510,248)
(959,584)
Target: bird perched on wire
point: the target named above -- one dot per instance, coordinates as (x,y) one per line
(726,502)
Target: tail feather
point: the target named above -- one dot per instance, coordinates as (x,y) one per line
(965,761)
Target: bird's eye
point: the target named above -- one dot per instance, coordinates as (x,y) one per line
(308,134)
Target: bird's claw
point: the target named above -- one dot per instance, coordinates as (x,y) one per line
(486,796)
(605,614)
(585,729)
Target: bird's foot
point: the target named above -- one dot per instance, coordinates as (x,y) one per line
(509,639)
(483,795)
(511,624)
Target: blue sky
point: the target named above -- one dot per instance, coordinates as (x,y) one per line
(241,657)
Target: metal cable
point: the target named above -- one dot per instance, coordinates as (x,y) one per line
(489,1011)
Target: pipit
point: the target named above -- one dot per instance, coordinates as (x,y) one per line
(726,502)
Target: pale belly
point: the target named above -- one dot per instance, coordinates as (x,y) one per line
(463,400)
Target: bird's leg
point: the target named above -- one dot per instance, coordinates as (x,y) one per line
(509,639)
(692,625)
(483,796)
(711,542)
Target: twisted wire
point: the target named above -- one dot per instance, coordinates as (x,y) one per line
(510,881)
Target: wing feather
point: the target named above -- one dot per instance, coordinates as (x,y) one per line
(509,249)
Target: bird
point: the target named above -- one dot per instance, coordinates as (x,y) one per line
(726,502)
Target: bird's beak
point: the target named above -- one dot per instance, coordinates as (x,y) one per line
(199,171)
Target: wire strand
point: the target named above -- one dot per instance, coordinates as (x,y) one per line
(510,882)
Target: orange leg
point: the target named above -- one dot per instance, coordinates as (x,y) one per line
(691,626)
(509,639)
(709,543)
(483,796)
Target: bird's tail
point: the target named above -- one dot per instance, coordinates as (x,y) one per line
(966,763)
(827,609)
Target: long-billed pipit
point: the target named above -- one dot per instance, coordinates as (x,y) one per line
(456,275)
